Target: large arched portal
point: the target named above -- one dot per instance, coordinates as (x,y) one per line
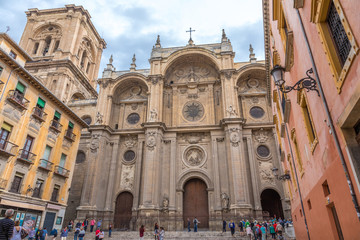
(271,204)
(124,203)
(195,203)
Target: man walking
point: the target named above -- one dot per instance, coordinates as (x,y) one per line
(196,222)
(7,225)
(188,225)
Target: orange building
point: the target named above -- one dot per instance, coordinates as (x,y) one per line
(318,118)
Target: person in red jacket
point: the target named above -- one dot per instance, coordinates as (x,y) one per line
(97,234)
(141,231)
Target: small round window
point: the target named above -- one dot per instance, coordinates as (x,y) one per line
(257,112)
(133,118)
(263,151)
(129,155)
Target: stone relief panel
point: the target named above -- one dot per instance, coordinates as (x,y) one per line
(130,141)
(194,137)
(151,140)
(265,170)
(234,136)
(95,143)
(263,142)
(127,177)
(253,83)
(194,156)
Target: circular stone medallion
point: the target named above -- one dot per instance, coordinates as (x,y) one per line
(194,156)
(263,151)
(193,111)
(257,112)
(133,118)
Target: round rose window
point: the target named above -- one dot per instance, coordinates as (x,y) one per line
(133,118)
(257,112)
(129,155)
(263,151)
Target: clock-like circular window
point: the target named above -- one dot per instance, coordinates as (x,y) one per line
(263,151)
(193,111)
(257,112)
(129,155)
(133,118)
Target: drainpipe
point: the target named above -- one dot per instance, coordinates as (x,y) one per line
(7,81)
(338,148)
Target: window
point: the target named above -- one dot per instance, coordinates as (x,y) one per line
(55,193)
(47,45)
(36,47)
(80,158)
(83,59)
(12,54)
(297,151)
(87,68)
(291,171)
(62,160)
(37,189)
(56,119)
(25,154)
(39,110)
(309,204)
(336,221)
(17,182)
(4,135)
(57,43)
(337,37)
(326,189)
(1,69)
(69,131)
(309,125)
(357,132)
(46,156)
(87,119)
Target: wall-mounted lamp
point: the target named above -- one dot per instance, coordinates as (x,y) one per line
(284,177)
(307,83)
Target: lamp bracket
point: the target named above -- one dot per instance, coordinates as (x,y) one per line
(307,83)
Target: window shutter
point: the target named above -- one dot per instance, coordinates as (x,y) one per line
(7,127)
(20,87)
(71,125)
(57,114)
(41,103)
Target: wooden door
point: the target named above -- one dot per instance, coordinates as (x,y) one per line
(27,147)
(123,211)
(195,203)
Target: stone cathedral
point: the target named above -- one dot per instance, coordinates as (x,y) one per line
(192,136)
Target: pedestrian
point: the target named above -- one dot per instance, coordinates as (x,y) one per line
(82,234)
(97,233)
(224,226)
(162,233)
(232,227)
(263,231)
(110,229)
(196,222)
(99,223)
(86,223)
(32,233)
(92,223)
(249,232)
(101,234)
(64,233)
(44,234)
(7,225)
(54,233)
(258,232)
(188,225)
(141,231)
(241,226)
(70,225)
(272,231)
(156,231)
(38,233)
(76,233)
(279,229)
(17,231)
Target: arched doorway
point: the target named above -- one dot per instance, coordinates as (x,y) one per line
(271,204)
(195,203)
(123,210)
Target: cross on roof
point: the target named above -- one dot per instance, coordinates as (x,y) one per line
(190,31)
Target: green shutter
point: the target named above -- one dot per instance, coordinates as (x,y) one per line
(20,87)
(41,103)
(71,125)
(57,114)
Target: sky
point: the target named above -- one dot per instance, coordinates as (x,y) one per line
(131,26)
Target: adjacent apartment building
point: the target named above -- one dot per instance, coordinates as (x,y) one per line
(317,120)
(39,137)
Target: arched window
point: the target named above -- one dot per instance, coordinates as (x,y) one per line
(57,43)
(87,119)
(80,157)
(47,45)
(36,46)
(83,59)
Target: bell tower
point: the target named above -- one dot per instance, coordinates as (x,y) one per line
(66,49)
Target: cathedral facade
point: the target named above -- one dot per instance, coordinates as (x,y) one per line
(192,136)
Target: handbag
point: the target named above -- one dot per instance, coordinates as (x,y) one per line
(23,233)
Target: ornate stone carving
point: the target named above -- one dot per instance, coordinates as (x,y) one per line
(253,83)
(153,115)
(95,142)
(151,140)
(234,136)
(167,141)
(165,204)
(261,135)
(99,118)
(266,175)
(194,156)
(130,141)
(225,201)
(220,139)
(127,177)
(193,138)
(193,111)
(231,111)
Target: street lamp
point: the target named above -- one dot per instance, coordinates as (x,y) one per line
(283,177)
(307,83)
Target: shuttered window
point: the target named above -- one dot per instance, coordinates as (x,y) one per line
(71,125)
(41,103)
(57,115)
(20,87)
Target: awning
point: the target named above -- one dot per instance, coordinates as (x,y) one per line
(22,205)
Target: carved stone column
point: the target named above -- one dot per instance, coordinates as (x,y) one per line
(111,176)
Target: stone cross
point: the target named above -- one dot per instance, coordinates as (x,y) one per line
(190,31)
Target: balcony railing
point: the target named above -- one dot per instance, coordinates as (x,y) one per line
(7,148)
(39,114)
(45,164)
(61,171)
(3,183)
(18,99)
(55,125)
(26,156)
(69,135)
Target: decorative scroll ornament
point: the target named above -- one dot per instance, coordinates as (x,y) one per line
(261,135)
(225,201)
(95,142)
(151,140)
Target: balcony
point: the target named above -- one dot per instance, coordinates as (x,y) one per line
(55,126)
(69,135)
(45,165)
(61,171)
(26,156)
(39,114)
(18,99)
(7,148)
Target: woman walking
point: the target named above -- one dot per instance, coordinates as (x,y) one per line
(232,227)
(141,231)
(82,234)
(156,231)
(64,233)
(17,231)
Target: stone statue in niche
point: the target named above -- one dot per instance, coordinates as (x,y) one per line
(225,201)
(99,118)
(153,115)
(165,204)
(231,111)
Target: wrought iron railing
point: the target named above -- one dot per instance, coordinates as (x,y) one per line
(26,156)
(18,99)
(45,164)
(61,171)
(39,114)
(55,125)
(69,135)
(8,148)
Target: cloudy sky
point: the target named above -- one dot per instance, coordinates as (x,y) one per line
(131,26)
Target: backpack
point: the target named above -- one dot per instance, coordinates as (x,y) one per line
(23,233)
